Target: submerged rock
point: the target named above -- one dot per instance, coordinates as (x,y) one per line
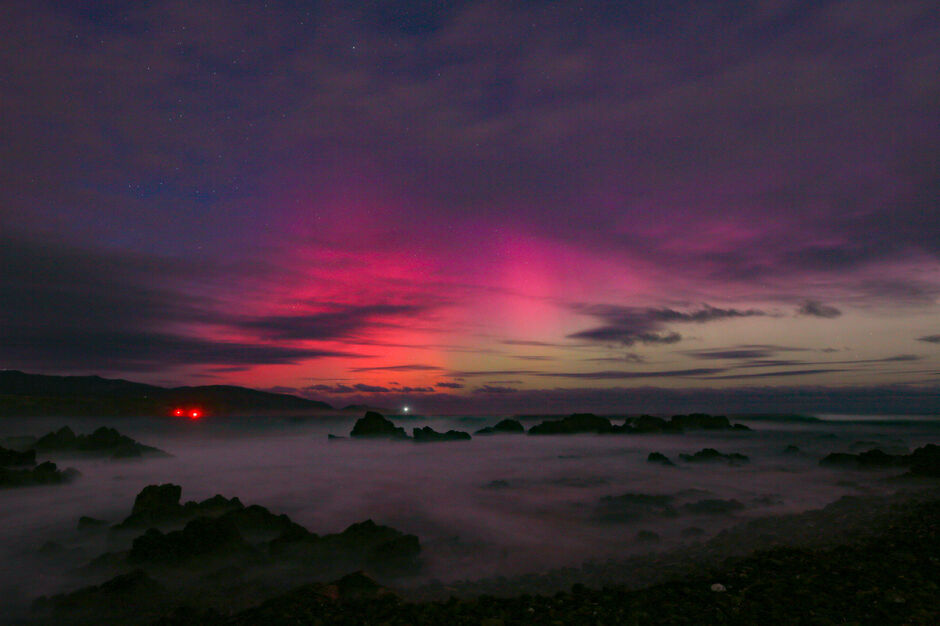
(630,507)
(160,504)
(10,458)
(373,424)
(43,474)
(573,424)
(104,440)
(200,538)
(507,426)
(428,434)
(90,523)
(710,455)
(712,506)
(659,457)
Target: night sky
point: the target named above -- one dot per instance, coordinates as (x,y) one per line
(470,205)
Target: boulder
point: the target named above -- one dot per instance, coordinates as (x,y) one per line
(507,426)
(925,461)
(90,523)
(710,455)
(630,507)
(200,538)
(373,424)
(659,457)
(573,424)
(10,458)
(104,440)
(428,434)
(43,474)
(712,506)
(160,504)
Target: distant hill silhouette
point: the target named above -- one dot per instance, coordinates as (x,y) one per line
(27,395)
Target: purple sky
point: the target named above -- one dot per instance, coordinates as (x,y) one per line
(472,205)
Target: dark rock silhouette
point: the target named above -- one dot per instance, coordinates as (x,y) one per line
(506,426)
(160,504)
(633,506)
(104,440)
(712,506)
(373,424)
(924,461)
(659,457)
(791,449)
(201,538)
(9,458)
(573,424)
(43,474)
(710,455)
(677,423)
(428,434)
(90,523)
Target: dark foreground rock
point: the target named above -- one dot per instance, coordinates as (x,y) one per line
(573,424)
(429,435)
(888,577)
(373,424)
(659,457)
(43,474)
(631,507)
(159,505)
(103,441)
(924,461)
(504,427)
(12,458)
(710,455)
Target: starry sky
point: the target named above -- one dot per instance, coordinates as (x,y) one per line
(468,206)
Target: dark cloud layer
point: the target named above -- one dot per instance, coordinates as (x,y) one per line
(818,309)
(631,325)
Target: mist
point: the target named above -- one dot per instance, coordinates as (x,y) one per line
(494,506)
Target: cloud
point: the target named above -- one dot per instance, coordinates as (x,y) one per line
(631,325)
(494,389)
(449,385)
(930,338)
(334,389)
(416,367)
(804,372)
(813,308)
(340,322)
(614,375)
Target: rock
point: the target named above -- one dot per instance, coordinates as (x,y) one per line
(90,523)
(633,506)
(43,474)
(718,588)
(10,458)
(428,434)
(647,424)
(647,536)
(791,449)
(160,504)
(507,426)
(104,440)
(704,421)
(373,424)
(333,437)
(573,424)
(128,598)
(710,455)
(365,544)
(712,506)
(693,531)
(925,461)
(659,457)
(200,538)
(257,521)
(872,459)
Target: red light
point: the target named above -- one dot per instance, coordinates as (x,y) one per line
(178,412)
(194,415)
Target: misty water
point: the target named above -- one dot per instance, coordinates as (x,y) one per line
(497,505)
